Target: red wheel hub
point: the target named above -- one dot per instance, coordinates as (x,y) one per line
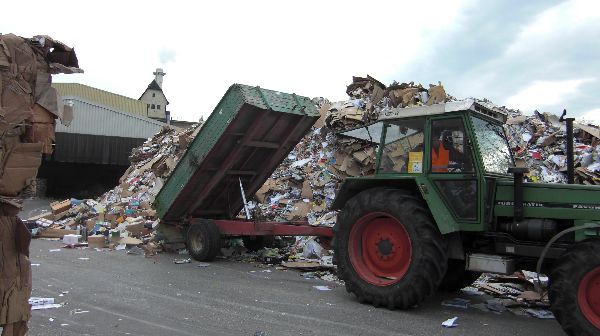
(379,249)
(588,296)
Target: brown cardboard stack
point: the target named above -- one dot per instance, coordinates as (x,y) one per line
(28,109)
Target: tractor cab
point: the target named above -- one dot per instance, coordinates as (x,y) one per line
(454,151)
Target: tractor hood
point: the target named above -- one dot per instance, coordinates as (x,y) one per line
(549,200)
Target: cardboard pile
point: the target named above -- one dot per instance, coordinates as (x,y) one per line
(513,293)
(539,143)
(124,215)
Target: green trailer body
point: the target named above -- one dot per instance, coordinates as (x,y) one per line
(249,133)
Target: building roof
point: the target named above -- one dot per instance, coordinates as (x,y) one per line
(154,86)
(109,99)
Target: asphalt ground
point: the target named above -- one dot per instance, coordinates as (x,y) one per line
(114,293)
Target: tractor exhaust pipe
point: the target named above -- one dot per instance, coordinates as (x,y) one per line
(570,163)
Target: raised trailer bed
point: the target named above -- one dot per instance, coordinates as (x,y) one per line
(247,136)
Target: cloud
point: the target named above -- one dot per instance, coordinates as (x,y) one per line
(541,94)
(592,115)
(166,55)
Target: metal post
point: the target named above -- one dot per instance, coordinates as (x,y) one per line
(246,210)
(570,163)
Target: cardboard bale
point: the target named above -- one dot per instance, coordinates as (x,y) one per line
(59,207)
(57,233)
(20,167)
(96,241)
(138,229)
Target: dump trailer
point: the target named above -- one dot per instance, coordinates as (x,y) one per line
(249,133)
(447,203)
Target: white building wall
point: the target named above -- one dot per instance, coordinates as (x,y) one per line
(91,118)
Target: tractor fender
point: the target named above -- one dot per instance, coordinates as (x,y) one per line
(442,216)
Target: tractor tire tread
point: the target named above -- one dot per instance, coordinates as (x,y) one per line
(429,257)
(565,276)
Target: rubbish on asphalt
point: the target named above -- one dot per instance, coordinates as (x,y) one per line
(182,261)
(202,265)
(323,288)
(495,305)
(540,313)
(450,323)
(38,303)
(456,302)
(135,250)
(54,250)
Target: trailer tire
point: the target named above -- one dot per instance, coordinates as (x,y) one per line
(404,260)
(457,277)
(203,240)
(575,289)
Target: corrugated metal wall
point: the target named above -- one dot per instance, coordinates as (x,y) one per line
(94,119)
(85,148)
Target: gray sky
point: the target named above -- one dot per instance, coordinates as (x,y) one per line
(523,54)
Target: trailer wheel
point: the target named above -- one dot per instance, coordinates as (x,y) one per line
(575,289)
(457,277)
(388,250)
(203,240)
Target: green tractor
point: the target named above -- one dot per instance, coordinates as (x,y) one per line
(447,203)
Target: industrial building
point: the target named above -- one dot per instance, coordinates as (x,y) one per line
(92,152)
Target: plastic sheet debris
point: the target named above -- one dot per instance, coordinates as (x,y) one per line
(450,323)
(323,288)
(540,313)
(457,302)
(38,303)
(182,261)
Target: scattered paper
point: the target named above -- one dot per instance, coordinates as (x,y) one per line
(456,302)
(450,323)
(323,288)
(182,261)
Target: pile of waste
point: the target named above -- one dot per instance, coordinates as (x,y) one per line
(506,293)
(122,217)
(539,143)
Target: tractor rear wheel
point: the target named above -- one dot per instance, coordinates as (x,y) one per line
(575,289)
(203,240)
(388,250)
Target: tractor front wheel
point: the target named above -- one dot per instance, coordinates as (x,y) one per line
(203,240)
(575,289)
(388,249)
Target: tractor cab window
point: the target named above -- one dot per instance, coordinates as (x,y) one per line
(493,146)
(403,147)
(450,148)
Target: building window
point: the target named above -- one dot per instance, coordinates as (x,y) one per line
(158,107)
(152,106)
(153,95)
